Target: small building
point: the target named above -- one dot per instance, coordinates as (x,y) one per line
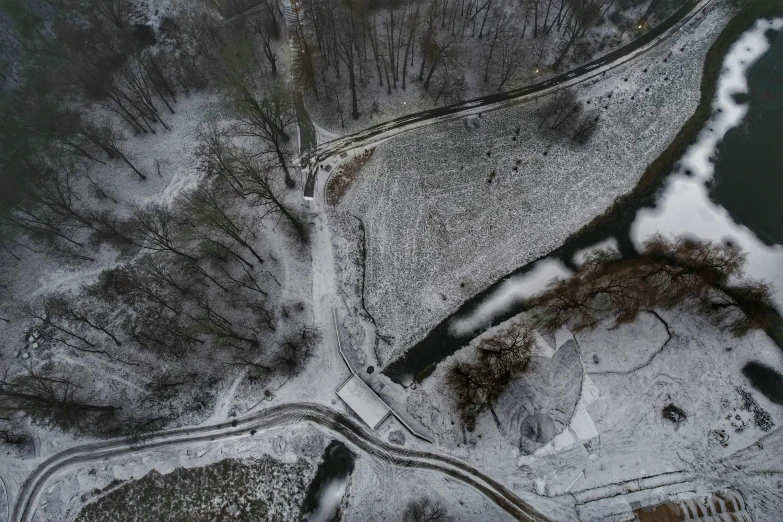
(364,402)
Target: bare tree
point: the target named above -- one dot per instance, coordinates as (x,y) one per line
(472,386)
(68,316)
(295,349)
(560,112)
(52,397)
(218,156)
(116,11)
(268,28)
(686,272)
(346,37)
(156,230)
(437,50)
(412,25)
(132,98)
(425,510)
(209,321)
(267,120)
(108,228)
(55,194)
(586,128)
(448,83)
(259,185)
(209,204)
(510,58)
(476,385)
(499,33)
(509,350)
(585,14)
(107,139)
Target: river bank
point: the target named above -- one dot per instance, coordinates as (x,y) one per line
(614,226)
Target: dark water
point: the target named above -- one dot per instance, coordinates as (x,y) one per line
(749,167)
(322,498)
(766,380)
(748,182)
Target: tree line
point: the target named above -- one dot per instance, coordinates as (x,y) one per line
(392,42)
(199,284)
(698,275)
(194,280)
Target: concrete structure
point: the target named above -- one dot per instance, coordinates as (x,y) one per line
(363,401)
(367,404)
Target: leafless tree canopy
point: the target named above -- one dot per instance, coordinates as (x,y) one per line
(477,384)
(48,397)
(564,116)
(690,272)
(696,274)
(425,510)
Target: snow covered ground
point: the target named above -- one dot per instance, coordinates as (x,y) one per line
(169,161)
(378,490)
(450,209)
(616,433)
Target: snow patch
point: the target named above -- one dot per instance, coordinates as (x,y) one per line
(607,244)
(364,402)
(509,293)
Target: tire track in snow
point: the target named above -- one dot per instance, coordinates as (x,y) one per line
(336,423)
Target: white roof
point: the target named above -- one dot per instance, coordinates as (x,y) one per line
(363,401)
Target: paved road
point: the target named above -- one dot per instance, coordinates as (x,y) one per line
(338,424)
(491,102)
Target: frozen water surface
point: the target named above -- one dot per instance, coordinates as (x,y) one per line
(685,206)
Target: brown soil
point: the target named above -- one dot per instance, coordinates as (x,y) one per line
(342,179)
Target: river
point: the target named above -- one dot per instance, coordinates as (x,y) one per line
(727,187)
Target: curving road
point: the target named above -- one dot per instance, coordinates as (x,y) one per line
(371,135)
(337,423)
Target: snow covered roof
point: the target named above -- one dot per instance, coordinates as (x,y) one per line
(363,401)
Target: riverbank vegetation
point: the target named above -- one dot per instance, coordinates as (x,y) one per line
(703,277)
(499,359)
(425,510)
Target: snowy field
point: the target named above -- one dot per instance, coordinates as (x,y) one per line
(616,432)
(379,490)
(449,210)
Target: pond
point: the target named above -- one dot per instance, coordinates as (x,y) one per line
(727,187)
(748,169)
(326,491)
(765,379)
